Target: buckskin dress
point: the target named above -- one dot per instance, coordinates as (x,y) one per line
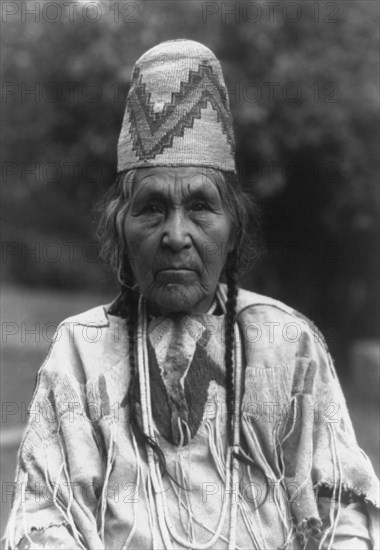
(82,475)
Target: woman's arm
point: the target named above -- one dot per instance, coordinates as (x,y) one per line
(59,466)
(352,530)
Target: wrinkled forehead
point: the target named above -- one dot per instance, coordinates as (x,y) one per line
(174,181)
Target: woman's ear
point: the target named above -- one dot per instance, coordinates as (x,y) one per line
(230,245)
(126,270)
(232,240)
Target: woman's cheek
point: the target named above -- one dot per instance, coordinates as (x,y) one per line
(145,254)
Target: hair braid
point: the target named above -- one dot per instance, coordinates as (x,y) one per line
(232,291)
(126,306)
(128,310)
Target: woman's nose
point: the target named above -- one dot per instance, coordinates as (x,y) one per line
(176,232)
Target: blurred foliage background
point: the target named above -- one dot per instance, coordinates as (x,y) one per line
(304,92)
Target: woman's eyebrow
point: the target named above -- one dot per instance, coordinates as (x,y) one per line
(149,193)
(202,193)
(161,192)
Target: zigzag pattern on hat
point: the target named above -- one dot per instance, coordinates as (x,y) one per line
(153,132)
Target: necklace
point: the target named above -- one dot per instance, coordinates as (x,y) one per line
(167,529)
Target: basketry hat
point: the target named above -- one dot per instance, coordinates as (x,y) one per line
(177,111)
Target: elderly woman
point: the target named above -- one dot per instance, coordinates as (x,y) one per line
(188,413)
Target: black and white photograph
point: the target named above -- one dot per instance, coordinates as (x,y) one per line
(190,354)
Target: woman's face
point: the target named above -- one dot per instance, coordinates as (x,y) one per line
(178,234)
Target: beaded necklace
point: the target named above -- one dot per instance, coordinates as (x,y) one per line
(167,529)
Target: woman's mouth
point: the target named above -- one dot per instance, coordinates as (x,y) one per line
(176,275)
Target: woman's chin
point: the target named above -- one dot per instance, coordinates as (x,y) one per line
(176,298)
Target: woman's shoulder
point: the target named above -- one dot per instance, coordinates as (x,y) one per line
(268,313)
(248,299)
(94,326)
(87,343)
(253,307)
(249,302)
(96,316)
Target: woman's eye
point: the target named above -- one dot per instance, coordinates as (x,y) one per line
(152,209)
(199,206)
